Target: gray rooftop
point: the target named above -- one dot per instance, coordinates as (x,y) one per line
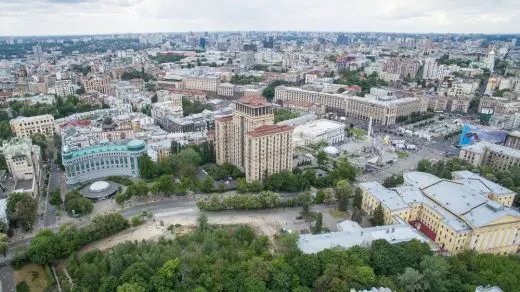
(480,184)
(454,196)
(487,213)
(482,146)
(388,197)
(314,243)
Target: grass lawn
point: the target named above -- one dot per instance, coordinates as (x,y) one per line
(401,154)
(336,214)
(33,275)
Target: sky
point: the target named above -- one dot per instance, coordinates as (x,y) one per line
(71,17)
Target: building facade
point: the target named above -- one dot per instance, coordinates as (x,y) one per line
(22,158)
(513,140)
(24,164)
(383,112)
(26,126)
(204,83)
(457,215)
(63,88)
(99,84)
(97,162)
(243,138)
(491,155)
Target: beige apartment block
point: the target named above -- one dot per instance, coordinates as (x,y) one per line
(513,140)
(240,136)
(268,150)
(383,111)
(459,215)
(489,154)
(204,83)
(99,84)
(26,126)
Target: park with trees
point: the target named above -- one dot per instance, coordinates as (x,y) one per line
(237,258)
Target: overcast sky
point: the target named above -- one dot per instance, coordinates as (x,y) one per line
(61,17)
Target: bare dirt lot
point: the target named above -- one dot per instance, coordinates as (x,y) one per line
(268,222)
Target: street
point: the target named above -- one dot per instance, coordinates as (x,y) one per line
(49,219)
(7,279)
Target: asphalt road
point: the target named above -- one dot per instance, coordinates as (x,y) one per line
(7,279)
(49,219)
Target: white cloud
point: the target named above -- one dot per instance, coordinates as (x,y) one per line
(43,17)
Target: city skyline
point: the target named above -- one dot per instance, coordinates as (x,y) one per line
(78,17)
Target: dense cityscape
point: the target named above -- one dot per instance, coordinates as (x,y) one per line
(260,161)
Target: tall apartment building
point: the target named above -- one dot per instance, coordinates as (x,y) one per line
(99,84)
(489,154)
(38,53)
(26,126)
(467,213)
(250,140)
(63,88)
(247,59)
(513,140)
(432,70)
(204,83)
(403,67)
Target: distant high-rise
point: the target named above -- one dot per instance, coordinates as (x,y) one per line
(342,39)
(38,53)
(202,43)
(247,59)
(269,42)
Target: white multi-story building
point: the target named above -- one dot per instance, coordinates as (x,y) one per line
(247,59)
(165,95)
(64,87)
(165,109)
(23,163)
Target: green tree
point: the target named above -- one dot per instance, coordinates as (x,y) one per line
(242,186)
(321,157)
(411,280)
(305,200)
(202,222)
(131,287)
(320,196)
(147,167)
(329,196)
(44,247)
(55,198)
(3,244)
(318,226)
(21,209)
(358,198)
(76,204)
(256,186)
(120,198)
(378,217)
(207,184)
